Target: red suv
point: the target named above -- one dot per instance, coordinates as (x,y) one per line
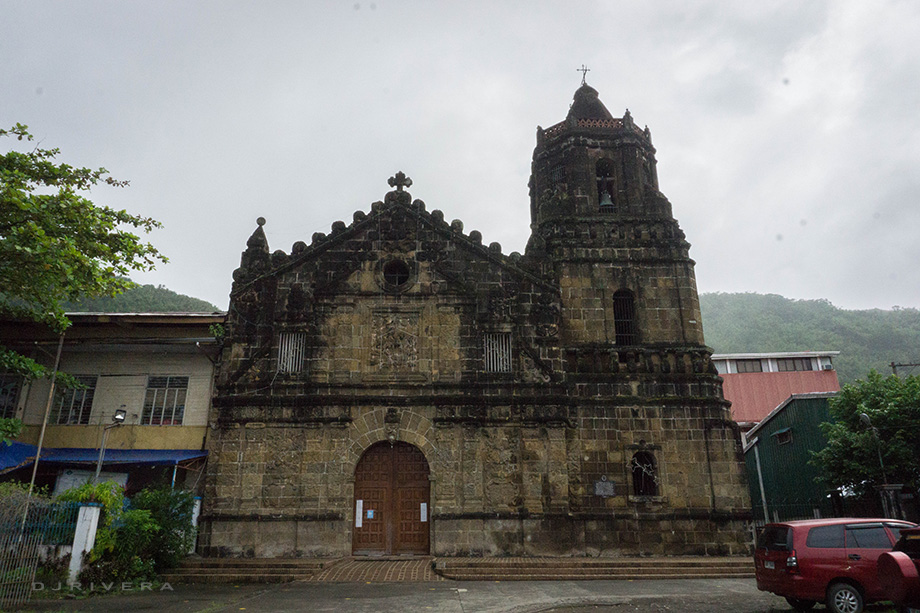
(899,571)
(825,560)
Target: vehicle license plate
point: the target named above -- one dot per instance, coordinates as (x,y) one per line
(768,564)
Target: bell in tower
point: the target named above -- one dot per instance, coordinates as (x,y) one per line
(593,163)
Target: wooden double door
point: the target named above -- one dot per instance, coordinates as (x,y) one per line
(391,501)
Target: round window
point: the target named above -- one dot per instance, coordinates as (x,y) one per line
(396,273)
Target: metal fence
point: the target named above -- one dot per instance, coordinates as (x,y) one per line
(31,532)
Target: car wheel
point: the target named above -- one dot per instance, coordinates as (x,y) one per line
(800,605)
(844,598)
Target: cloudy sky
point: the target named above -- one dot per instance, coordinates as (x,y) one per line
(788,133)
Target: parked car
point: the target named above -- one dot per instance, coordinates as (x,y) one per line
(825,560)
(899,571)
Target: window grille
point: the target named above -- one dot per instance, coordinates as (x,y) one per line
(9,392)
(624,318)
(75,405)
(498,352)
(793,364)
(164,404)
(292,350)
(396,273)
(748,366)
(557,176)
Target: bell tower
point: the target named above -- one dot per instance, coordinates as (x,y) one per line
(607,234)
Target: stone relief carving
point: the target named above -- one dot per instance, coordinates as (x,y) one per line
(530,371)
(545,317)
(394,347)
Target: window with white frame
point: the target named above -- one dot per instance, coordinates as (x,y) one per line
(793,364)
(498,352)
(9,393)
(164,404)
(75,404)
(292,351)
(748,366)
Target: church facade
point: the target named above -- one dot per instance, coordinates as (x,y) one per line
(399,387)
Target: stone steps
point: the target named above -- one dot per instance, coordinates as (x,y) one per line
(583,569)
(245,570)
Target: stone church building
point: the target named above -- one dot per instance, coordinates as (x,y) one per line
(399,387)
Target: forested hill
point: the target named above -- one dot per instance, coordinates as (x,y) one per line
(758,323)
(143,299)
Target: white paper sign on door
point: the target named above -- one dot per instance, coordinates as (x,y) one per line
(424,511)
(359,513)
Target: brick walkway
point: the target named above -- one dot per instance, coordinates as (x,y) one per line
(378,571)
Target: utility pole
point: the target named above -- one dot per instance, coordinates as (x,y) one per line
(895,366)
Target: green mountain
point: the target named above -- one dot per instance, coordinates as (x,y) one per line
(758,323)
(143,299)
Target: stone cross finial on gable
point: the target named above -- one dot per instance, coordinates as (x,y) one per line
(400,181)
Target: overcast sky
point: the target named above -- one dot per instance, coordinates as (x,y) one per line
(788,133)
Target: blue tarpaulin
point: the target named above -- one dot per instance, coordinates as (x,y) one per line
(20,454)
(14,455)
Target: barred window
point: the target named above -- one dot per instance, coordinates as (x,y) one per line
(793,364)
(557,176)
(292,350)
(498,352)
(75,405)
(624,318)
(748,366)
(9,392)
(164,404)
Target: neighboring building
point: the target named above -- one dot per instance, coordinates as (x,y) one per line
(158,367)
(756,383)
(782,480)
(398,387)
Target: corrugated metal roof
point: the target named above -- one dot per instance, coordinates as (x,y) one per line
(754,395)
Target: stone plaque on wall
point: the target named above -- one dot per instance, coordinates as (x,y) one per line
(604,488)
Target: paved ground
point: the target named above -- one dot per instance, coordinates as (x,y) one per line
(651,596)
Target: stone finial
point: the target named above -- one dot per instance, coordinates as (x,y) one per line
(257,239)
(256,255)
(400,181)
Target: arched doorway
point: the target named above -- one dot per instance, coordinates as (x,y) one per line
(391,501)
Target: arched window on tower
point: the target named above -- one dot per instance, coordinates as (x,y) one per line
(644,474)
(624,318)
(606,185)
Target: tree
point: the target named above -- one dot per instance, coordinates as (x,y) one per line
(56,245)
(851,458)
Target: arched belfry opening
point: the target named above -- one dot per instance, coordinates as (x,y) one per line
(644,474)
(391,504)
(606,185)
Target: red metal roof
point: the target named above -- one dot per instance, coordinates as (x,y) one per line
(753,395)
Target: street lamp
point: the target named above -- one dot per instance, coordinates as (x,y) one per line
(117,419)
(878,443)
